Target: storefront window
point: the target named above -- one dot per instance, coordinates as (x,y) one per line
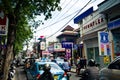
(93,53)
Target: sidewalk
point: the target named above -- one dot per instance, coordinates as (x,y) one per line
(73,69)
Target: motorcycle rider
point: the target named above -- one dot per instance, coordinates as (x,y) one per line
(91,72)
(66,68)
(47,75)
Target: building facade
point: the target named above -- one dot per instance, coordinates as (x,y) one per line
(90,24)
(111,10)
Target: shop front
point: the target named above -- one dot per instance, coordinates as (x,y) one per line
(92,50)
(114,27)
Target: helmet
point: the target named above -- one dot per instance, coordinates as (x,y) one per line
(91,62)
(47,67)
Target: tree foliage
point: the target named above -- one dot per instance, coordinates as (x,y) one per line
(20,12)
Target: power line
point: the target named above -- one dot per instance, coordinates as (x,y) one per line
(62,18)
(58,20)
(68,9)
(60,12)
(69,20)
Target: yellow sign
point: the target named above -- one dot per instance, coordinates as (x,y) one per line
(106,59)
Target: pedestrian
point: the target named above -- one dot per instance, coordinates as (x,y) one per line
(66,65)
(84,62)
(78,66)
(91,72)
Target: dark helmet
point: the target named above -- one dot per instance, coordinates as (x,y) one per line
(47,67)
(91,62)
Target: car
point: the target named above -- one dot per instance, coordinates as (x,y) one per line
(27,63)
(112,71)
(60,62)
(37,69)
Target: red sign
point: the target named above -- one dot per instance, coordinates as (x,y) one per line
(3,23)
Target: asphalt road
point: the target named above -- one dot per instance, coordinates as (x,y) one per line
(20,75)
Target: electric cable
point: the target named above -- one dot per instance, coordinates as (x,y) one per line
(60,12)
(69,20)
(60,19)
(68,9)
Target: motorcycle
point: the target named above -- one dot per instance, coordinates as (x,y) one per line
(11,72)
(68,74)
(84,75)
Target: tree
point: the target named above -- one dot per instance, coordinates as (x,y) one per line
(19,13)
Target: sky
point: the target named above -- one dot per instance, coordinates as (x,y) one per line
(60,19)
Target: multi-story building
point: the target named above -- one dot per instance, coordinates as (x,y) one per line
(111,10)
(68,38)
(90,23)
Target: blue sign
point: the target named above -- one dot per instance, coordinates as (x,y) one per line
(104,37)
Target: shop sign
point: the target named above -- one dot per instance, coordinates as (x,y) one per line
(45,53)
(3,23)
(104,47)
(106,60)
(42,45)
(50,48)
(57,45)
(68,54)
(93,24)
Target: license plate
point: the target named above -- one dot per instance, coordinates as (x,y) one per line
(55,77)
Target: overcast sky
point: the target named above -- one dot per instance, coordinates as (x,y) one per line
(61,19)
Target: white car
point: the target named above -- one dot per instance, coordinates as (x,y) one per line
(112,71)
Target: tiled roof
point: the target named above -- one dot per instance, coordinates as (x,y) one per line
(68,28)
(68,33)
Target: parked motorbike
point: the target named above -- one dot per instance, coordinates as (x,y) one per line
(11,71)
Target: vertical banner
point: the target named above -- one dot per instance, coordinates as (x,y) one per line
(68,54)
(104,47)
(68,48)
(42,45)
(3,23)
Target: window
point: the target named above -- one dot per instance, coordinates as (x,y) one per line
(115,65)
(41,67)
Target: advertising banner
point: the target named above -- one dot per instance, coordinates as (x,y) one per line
(104,47)
(42,45)
(3,23)
(69,49)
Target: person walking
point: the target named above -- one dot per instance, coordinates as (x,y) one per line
(78,66)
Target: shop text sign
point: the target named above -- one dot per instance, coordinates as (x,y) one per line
(103,39)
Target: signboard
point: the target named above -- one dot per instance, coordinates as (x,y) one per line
(68,54)
(3,23)
(42,45)
(45,53)
(106,59)
(69,48)
(57,45)
(104,47)
(50,48)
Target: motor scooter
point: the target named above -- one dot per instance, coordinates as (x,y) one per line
(11,72)
(68,74)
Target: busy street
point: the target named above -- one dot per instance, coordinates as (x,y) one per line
(59,39)
(20,74)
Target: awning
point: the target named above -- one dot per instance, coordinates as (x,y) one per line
(83,15)
(114,24)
